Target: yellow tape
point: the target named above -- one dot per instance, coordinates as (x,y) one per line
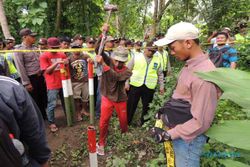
(92,49)
(169,150)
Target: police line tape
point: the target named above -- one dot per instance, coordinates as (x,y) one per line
(92,49)
(168,146)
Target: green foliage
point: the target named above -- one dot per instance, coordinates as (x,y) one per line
(234,83)
(243,50)
(131,18)
(84,16)
(31,13)
(229,133)
(231,163)
(224,13)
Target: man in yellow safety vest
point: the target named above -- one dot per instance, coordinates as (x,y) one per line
(147,71)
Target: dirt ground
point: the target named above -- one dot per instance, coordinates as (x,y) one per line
(67,140)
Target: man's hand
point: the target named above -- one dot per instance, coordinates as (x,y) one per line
(89,60)
(99,59)
(127,87)
(29,87)
(160,135)
(162,91)
(66,61)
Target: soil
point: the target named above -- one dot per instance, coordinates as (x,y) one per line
(67,140)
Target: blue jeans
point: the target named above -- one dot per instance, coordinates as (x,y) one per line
(52,97)
(98,101)
(188,154)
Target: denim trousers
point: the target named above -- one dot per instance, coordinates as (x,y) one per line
(52,97)
(98,101)
(188,154)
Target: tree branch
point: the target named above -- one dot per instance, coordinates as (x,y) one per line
(163,10)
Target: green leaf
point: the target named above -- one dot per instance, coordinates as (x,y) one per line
(234,133)
(43,5)
(39,21)
(232,163)
(234,83)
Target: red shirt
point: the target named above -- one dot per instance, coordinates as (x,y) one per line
(53,80)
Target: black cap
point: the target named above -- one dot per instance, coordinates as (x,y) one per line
(243,25)
(75,45)
(27,31)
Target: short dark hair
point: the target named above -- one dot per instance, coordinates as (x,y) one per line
(65,39)
(222,33)
(151,47)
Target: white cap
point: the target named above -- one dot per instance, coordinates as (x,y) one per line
(179,31)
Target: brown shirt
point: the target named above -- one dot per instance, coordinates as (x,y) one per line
(27,63)
(202,95)
(113,81)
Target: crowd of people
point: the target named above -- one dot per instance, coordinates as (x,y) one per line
(125,72)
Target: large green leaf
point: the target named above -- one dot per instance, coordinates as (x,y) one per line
(234,83)
(232,163)
(235,133)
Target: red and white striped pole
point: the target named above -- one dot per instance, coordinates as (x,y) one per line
(67,93)
(91,128)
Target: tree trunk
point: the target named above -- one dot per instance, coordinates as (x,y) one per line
(58,16)
(3,21)
(159,9)
(155,17)
(144,15)
(87,16)
(117,25)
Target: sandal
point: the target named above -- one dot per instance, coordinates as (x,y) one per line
(53,128)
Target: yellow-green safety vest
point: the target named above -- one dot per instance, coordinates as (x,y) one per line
(164,60)
(13,71)
(144,73)
(130,56)
(239,37)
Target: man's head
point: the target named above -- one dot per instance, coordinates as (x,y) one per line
(76,45)
(90,42)
(53,43)
(243,27)
(64,42)
(182,40)
(78,38)
(42,43)
(129,44)
(138,45)
(221,38)
(119,56)
(226,30)
(116,42)
(123,42)
(150,49)
(10,43)
(109,42)
(28,36)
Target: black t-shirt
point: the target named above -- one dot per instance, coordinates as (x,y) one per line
(78,69)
